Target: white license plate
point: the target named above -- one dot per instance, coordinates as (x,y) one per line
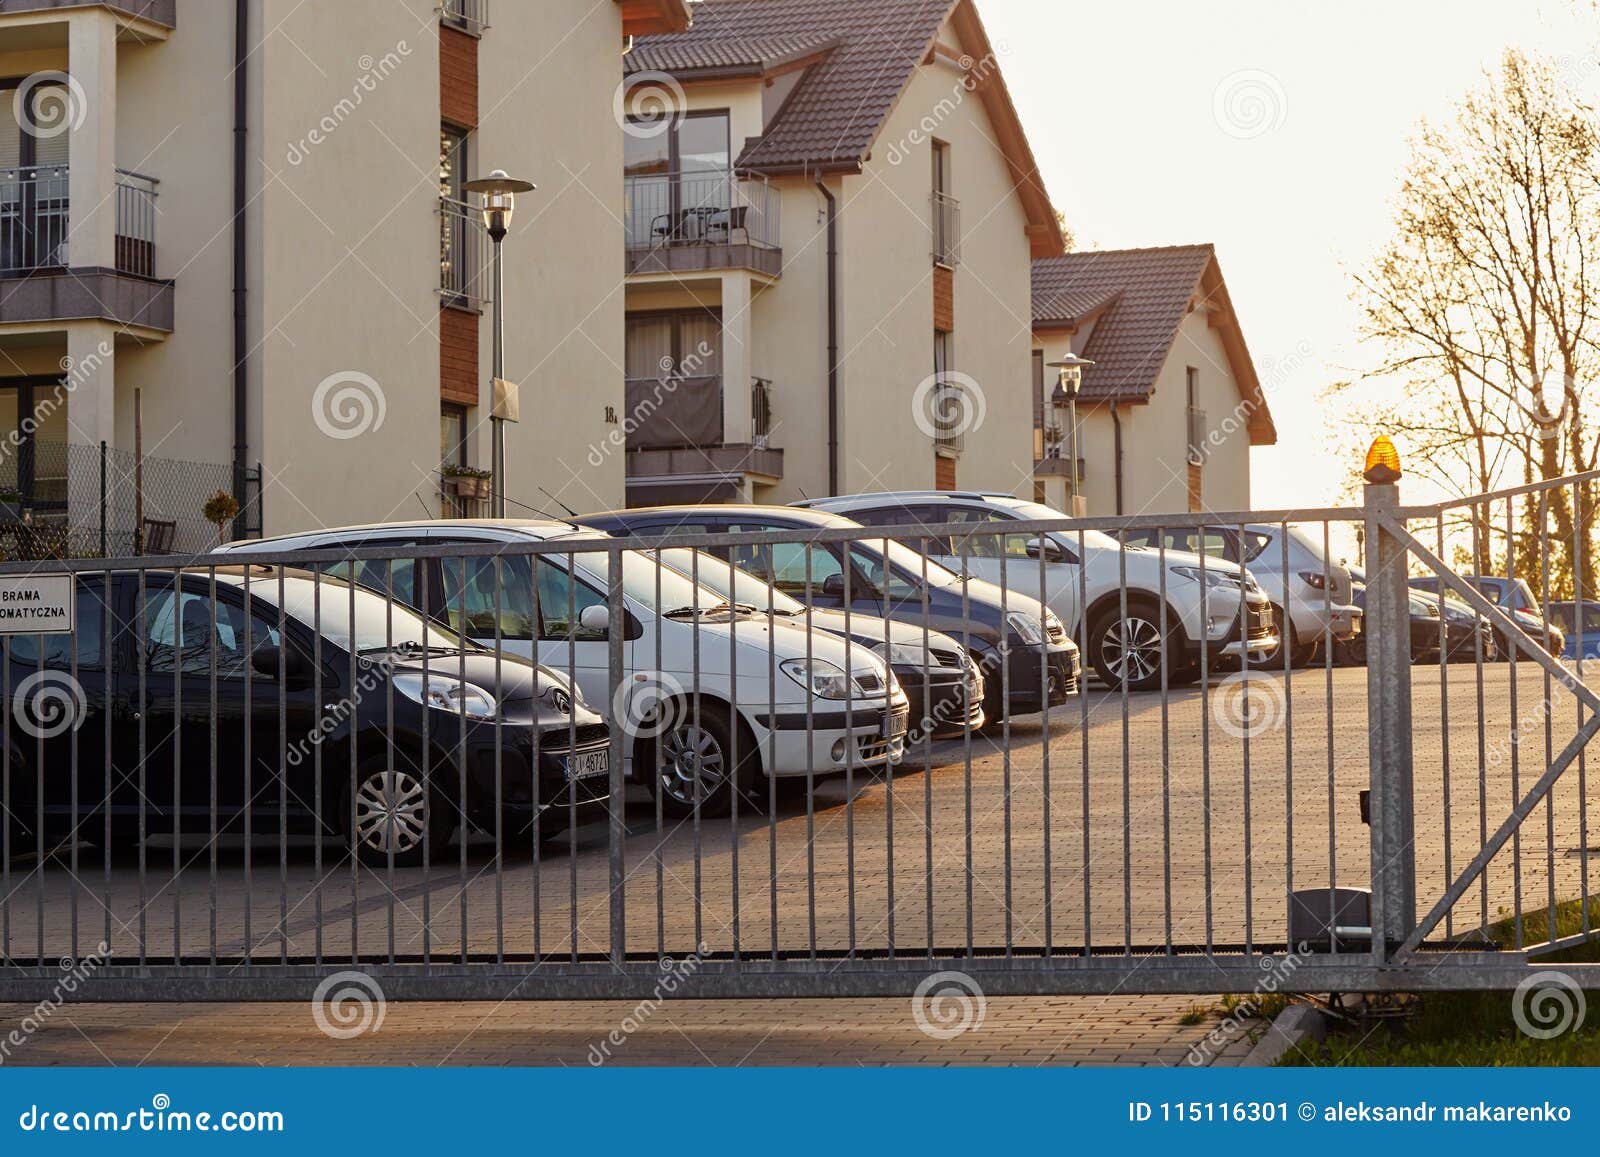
(894,726)
(588,764)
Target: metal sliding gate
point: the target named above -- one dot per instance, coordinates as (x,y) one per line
(239,775)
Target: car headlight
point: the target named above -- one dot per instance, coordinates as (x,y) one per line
(907,654)
(823,679)
(447,694)
(1212,578)
(1052,624)
(1029,628)
(1455,616)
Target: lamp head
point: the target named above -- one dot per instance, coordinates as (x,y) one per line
(499,192)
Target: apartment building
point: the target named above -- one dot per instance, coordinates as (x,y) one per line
(831,210)
(1167,414)
(249,217)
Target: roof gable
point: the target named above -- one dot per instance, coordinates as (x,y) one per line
(1139,298)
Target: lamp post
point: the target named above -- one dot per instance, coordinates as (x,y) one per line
(1064,401)
(499,191)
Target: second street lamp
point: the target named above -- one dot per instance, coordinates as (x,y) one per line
(499,191)
(1064,400)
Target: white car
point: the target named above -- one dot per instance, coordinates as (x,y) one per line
(1084,577)
(1315,589)
(801,702)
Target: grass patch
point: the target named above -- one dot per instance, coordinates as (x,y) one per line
(1472,1028)
(1195,1014)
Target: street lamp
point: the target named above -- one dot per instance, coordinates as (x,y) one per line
(499,191)
(1064,401)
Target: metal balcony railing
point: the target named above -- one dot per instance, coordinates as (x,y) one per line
(708,208)
(136,223)
(946,230)
(470,16)
(33,219)
(464,255)
(951,413)
(36,220)
(1198,436)
(760,412)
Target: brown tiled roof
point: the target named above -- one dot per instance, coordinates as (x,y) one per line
(834,114)
(687,55)
(1142,296)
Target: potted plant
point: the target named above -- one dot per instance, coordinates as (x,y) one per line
(466,481)
(219,510)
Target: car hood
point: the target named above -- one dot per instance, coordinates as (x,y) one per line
(758,638)
(871,630)
(528,690)
(1147,561)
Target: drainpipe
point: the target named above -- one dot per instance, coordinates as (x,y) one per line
(241,136)
(833,336)
(1116,426)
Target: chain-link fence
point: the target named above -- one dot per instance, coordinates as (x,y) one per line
(68,500)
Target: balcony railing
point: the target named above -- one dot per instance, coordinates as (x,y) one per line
(1197,436)
(464,255)
(760,412)
(36,221)
(664,210)
(952,412)
(946,230)
(470,16)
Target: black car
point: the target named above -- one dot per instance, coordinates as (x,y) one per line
(1018,644)
(1464,634)
(309,676)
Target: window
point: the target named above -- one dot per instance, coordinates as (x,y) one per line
(57,650)
(185,628)
(946,210)
(562,602)
(884,579)
(452,452)
(461,235)
(469,16)
(386,576)
(949,402)
(674,344)
(470,597)
(1195,452)
(678,179)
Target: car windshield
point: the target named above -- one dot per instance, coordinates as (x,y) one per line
(660,588)
(1038,512)
(734,585)
(357,619)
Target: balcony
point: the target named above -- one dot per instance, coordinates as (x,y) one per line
(677,450)
(157,14)
(35,245)
(694,222)
(465,255)
(469,16)
(946,230)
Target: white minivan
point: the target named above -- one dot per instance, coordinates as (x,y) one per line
(710,695)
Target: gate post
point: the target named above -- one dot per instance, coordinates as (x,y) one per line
(1388,630)
(617,829)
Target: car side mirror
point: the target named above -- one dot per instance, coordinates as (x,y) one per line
(595,619)
(295,667)
(833,586)
(1049,548)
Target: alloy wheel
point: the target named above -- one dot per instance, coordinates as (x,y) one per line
(391,812)
(692,761)
(1132,648)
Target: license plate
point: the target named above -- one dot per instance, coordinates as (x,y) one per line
(587,764)
(895,726)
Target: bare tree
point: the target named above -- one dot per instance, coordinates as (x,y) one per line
(1487,298)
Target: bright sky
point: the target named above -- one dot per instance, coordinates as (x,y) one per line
(1119,101)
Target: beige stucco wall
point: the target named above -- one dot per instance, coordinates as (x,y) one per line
(1155,435)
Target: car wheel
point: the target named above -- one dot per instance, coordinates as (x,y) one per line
(1128,648)
(395,815)
(693,761)
(1273,660)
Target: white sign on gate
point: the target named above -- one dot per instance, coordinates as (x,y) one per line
(36,604)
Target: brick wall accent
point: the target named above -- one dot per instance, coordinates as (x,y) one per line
(458,77)
(944,472)
(458,355)
(944,299)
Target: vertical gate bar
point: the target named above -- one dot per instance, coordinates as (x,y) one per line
(1327,672)
(211,842)
(461,745)
(1205,733)
(811,781)
(1127,654)
(927,758)
(1578,608)
(73,820)
(771,761)
(249,796)
(423,598)
(848,549)
(499,756)
(177,768)
(108,596)
(657,766)
(316,749)
(40,844)
(12,823)
(699,778)
(1389,731)
(536,628)
(1288,705)
(1044,752)
(1516,761)
(736,778)
(350,818)
(1480,513)
(617,618)
(1549,715)
(613,615)
(998,544)
(283,771)
(1444,724)
(418,569)
(1166,739)
(966,763)
(888,779)
(142,713)
(1083,730)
